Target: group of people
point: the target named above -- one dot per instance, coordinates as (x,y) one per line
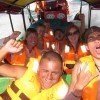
(38,62)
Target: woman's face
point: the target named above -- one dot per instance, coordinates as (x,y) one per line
(73,35)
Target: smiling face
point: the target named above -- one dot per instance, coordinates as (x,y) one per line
(32,39)
(41,30)
(59,35)
(73,35)
(94,44)
(49,73)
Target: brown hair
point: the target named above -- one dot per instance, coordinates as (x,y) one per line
(91,30)
(71,26)
(31,31)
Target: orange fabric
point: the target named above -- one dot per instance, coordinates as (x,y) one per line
(37,52)
(21,57)
(90,92)
(39,7)
(17,58)
(71,57)
(49,36)
(59,46)
(48,39)
(71,54)
(65,6)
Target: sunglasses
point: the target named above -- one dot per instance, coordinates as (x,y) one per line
(69,33)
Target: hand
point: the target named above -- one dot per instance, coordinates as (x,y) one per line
(13,46)
(81,76)
(81,16)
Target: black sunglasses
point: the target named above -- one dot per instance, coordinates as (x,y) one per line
(69,33)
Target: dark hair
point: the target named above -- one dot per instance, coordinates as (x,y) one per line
(91,30)
(58,29)
(40,25)
(52,56)
(31,31)
(77,17)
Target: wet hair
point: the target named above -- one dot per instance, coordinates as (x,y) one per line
(91,30)
(31,31)
(52,56)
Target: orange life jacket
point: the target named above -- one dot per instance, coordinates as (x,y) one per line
(17,58)
(48,39)
(21,57)
(71,56)
(58,46)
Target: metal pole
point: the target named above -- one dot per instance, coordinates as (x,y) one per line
(11,22)
(29,14)
(23,19)
(89,16)
(81,7)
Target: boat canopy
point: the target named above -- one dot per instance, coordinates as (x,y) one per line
(15,6)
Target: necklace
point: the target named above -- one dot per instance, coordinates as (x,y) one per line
(97,68)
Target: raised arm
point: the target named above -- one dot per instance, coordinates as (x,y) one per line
(11,46)
(81,76)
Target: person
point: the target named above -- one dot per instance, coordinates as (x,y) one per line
(41,32)
(74,48)
(31,44)
(16,58)
(12,46)
(48,74)
(79,20)
(92,36)
(64,6)
(29,49)
(59,42)
(46,83)
(47,26)
(44,40)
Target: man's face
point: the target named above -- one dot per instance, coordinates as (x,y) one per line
(94,44)
(49,73)
(32,40)
(41,30)
(58,35)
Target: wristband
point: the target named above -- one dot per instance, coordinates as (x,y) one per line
(77,96)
